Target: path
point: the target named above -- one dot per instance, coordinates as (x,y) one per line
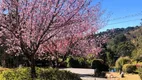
(85,74)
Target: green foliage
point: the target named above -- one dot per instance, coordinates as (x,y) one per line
(89,60)
(120,46)
(82,62)
(112,44)
(55,74)
(140,72)
(89,63)
(136,38)
(121,61)
(72,62)
(99,65)
(16,74)
(137,54)
(129,68)
(139,64)
(110,58)
(42,74)
(119,38)
(76,62)
(125,48)
(124,42)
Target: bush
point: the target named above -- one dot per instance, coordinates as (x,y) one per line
(138,65)
(121,61)
(55,74)
(105,67)
(99,64)
(42,74)
(16,74)
(89,63)
(140,72)
(76,62)
(72,62)
(129,68)
(82,62)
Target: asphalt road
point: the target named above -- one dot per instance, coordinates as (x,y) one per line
(85,74)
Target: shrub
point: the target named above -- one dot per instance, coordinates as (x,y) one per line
(121,61)
(3,69)
(72,62)
(82,62)
(55,74)
(138,65)
(97,63)
(89,63)
(76,62)
(16,74)
(42,74)
(105,67)
(140,72)
(129,68)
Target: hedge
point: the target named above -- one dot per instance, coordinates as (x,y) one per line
(42,74)
(121,61)
(129,68)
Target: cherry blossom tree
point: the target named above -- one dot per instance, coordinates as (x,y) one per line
(75,46)
(29,25)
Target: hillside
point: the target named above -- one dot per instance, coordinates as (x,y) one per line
(123,42)
(136,39)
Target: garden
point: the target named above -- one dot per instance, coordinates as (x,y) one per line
(131,69)
(45,33)
(39,37)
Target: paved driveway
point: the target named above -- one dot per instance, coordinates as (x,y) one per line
(85,74)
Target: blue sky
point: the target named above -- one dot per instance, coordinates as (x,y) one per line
(124,13)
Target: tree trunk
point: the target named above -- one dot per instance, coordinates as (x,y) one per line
(3,63)
(57,63)
(3,60)
(33,71)
(64,57)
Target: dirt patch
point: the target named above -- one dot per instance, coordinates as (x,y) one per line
(3,69)
(116,76)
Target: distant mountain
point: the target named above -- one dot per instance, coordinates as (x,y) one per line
(113,32)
